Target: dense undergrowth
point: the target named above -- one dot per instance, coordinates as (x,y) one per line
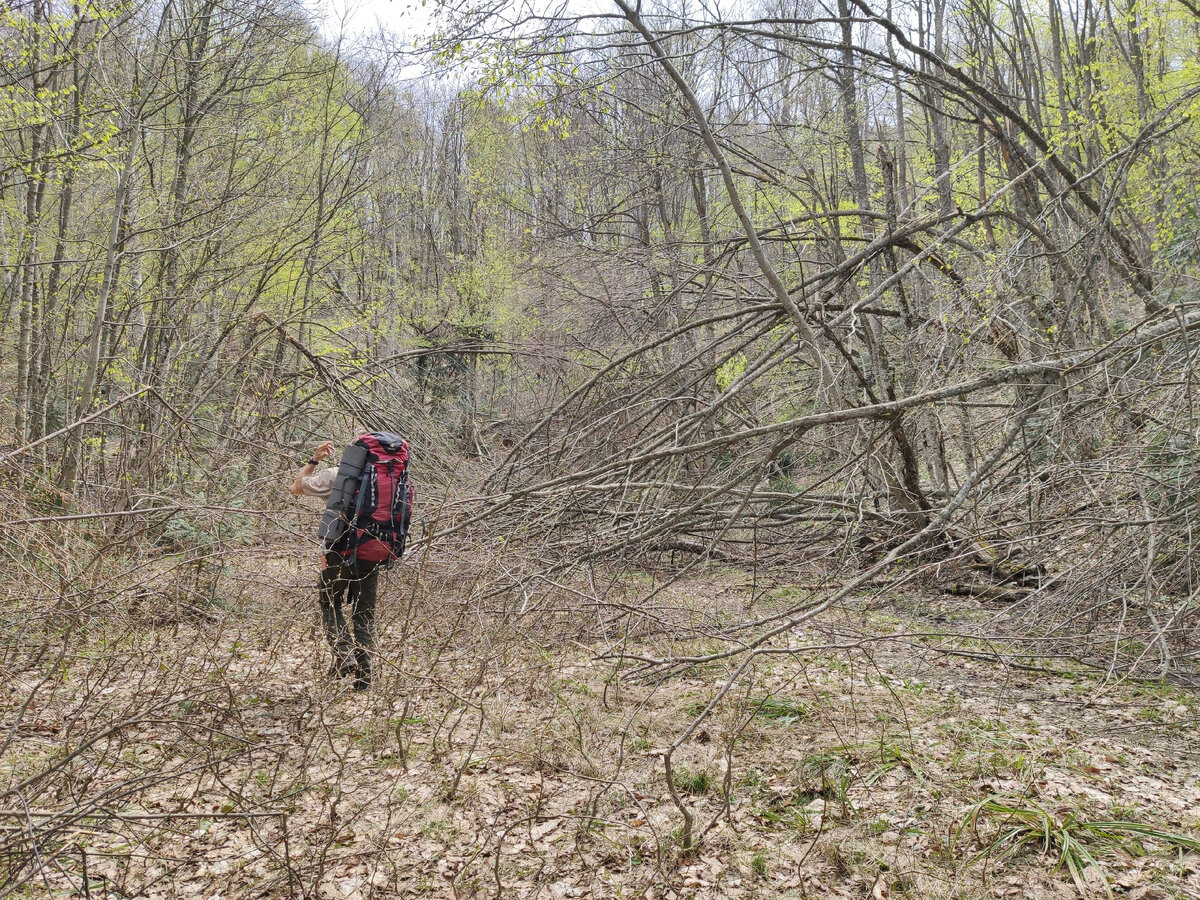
(170,731)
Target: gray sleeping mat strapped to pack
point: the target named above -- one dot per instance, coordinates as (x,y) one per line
(340,506)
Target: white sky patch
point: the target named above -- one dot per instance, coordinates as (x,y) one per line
(413,19)
(357,19)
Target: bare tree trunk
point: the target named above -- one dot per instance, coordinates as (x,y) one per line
(72,457)
(45,341)
(935,115)
(27,314)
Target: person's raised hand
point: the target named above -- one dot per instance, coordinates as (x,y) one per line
(324,451)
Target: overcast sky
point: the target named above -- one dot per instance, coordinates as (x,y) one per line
(405,18)
(412,18)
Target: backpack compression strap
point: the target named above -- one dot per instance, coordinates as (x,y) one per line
(353,558)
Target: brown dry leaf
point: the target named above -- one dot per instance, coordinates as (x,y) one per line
(714,865)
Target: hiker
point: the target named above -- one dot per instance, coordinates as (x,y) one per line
(311,483)
(360,535)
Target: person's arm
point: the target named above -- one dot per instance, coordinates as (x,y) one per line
(322,452)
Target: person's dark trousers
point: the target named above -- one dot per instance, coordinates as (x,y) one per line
(347,596)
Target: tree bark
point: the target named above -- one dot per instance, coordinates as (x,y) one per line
(72,457)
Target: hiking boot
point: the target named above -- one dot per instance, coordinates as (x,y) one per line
(341,668)
(361,669)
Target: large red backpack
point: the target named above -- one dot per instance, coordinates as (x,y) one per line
(368,512)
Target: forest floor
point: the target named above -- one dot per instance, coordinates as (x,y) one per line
(215,759)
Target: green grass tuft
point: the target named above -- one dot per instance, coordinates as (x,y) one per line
(693,782)
(1076,842)
(781,711)
(758,865)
